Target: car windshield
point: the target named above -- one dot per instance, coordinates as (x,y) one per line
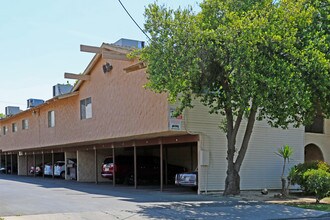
(108,160)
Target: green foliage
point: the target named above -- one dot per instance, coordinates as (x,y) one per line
(318,182)
(233,52)
(285,152)
(240,57)
(297,172)
(2,115)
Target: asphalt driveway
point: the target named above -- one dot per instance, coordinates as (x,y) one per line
(37,198)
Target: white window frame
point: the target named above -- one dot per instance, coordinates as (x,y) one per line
(14,127)
(51,119)
(25,124)
(4,130)
(86,108)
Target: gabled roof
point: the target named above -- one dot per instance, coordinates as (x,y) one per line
(104,50)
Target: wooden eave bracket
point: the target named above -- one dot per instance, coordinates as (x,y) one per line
(106,54)
(135,67)
(77,76)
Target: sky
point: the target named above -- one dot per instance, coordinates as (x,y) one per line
(40,40)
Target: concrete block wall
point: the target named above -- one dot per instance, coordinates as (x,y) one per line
(69,155)
(21,165)
(86,166)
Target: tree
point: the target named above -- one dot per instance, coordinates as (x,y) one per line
(2,115)
(285,152)
(241,59)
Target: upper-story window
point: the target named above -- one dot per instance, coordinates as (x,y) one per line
(14,127)
(86,108)
(25,124)
(317,126)
(51,119)
(4,130)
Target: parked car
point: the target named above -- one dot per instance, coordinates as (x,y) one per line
(189,179)
(147,169)
(59,169)
(3,169)
(38,169)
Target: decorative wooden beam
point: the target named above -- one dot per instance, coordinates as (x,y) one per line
(114,56)
(90,49)
(76,76)
(135,67)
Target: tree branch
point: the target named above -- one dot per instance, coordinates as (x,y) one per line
(247,136)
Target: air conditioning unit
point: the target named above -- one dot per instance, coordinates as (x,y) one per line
(12,110)
(61,89)
(123,42)
(34,102)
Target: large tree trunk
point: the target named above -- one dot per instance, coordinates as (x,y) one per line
(232,184)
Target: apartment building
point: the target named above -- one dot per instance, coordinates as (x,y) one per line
(108,112)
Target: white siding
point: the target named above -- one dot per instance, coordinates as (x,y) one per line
(261,166)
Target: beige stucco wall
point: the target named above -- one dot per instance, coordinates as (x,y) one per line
(121,107)
(321,140)
(85,166)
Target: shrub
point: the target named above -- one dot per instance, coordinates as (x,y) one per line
(296,175)
(318,182)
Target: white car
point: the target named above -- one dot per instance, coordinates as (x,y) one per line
(187,179)
(59,169)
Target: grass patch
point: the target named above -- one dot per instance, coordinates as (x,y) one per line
(314,206)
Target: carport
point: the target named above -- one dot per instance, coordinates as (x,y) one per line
(8,161)
(35,158)
(175,150)
(179,150)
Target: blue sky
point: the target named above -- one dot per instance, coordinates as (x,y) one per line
(40,39)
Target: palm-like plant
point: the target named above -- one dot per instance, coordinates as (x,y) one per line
(285,152)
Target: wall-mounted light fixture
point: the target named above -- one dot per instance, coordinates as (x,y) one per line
(107,67)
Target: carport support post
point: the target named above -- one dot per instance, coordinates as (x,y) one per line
(11,164)
(114,164)
(27,164)
(161,165)
(43,163)
(6,164)
(95,159)
(34,164)
(135,169)
(53,164)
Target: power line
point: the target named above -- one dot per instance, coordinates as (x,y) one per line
(134,20)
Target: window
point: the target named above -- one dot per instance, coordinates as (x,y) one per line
(14,127)
(51,119)
(4,130)
(317,126)
(25,124)
(86,108)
